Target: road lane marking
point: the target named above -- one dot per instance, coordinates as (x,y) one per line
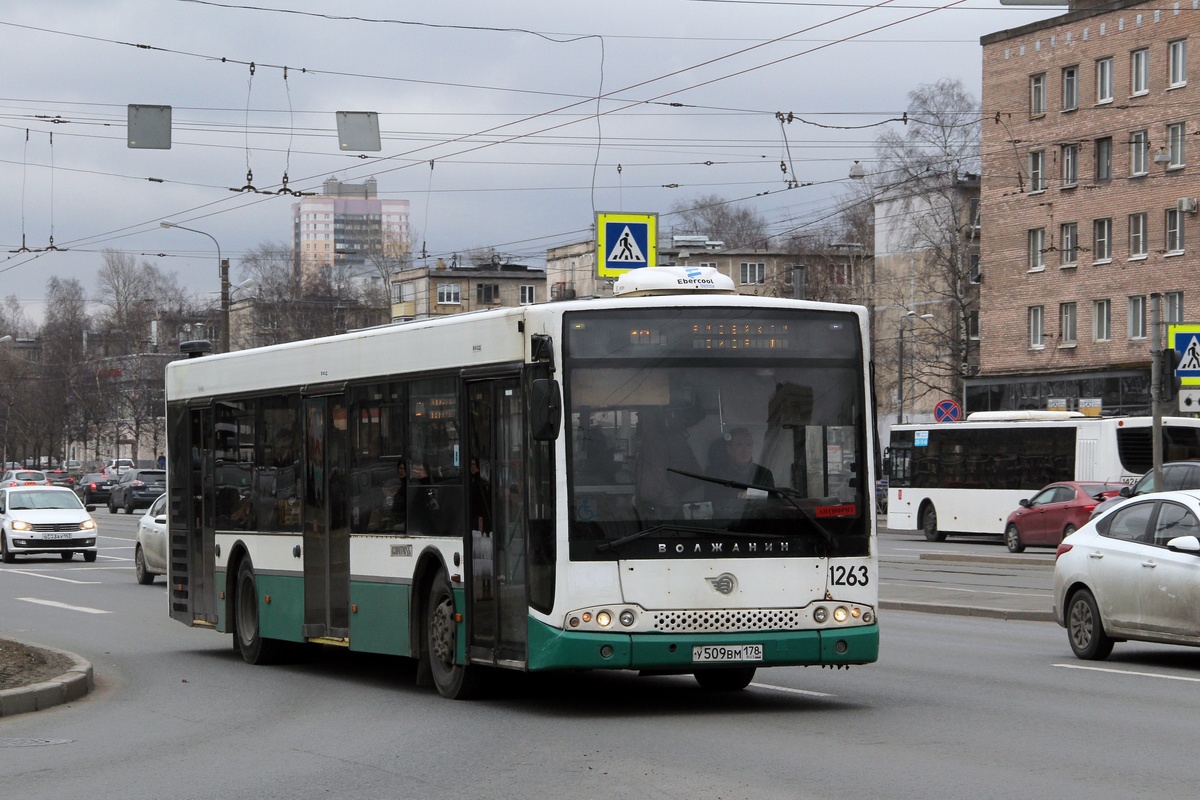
(56,604)
(1130,672)
(49,577)
(804,692)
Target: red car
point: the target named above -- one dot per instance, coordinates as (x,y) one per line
(1055,512)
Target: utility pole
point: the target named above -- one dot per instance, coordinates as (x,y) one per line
(1156,386)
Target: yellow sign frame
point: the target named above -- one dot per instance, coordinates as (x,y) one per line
(644,224)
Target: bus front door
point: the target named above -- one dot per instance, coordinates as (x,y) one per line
(326,537)
(497,522)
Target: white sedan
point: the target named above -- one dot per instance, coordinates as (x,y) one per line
(150,552)
(45,519)
(1134,573)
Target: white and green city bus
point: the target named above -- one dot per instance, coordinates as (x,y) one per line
(550,487)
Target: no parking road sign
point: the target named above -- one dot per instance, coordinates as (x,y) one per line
(947,411)
(625,242)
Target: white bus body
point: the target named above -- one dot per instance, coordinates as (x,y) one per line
(967,477)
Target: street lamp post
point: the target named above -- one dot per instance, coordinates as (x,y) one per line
(223,265)
(900,363)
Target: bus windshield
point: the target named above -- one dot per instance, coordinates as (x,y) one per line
(715,432)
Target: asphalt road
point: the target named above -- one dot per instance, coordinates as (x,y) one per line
(958,706)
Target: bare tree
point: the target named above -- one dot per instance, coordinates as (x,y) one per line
(721,220)
(927,205)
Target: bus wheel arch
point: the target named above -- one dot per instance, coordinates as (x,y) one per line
(438,635)
(928,521)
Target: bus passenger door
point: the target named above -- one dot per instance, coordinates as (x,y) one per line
(325,520)
(497,522)
(192,524)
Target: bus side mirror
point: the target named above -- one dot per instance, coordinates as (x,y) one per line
(545,409)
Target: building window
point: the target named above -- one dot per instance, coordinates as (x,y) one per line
(1174,231)
(752,272)
(449,293)
(1102,240)
(1104,159)
(1037,94)
(1174,307)
(841,274)
(1068,244)
(1036,331)
(1070,164)
(1037,249)
(1101,320)
(1137,318)
(1066,323)
(1177,62)
(1139,151)
(973,212)
(1137,235)
(528,294)
(1176,136)
(1070,83)
(1037,170)
(973,270)
(487,293)
(1104,80)
(1139,79)
(973,325)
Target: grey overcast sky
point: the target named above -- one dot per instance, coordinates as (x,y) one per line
(490,121)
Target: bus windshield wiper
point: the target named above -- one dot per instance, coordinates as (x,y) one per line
(671,526)
(787,494)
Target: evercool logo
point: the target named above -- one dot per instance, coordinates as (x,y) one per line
(725,583)
(695,282)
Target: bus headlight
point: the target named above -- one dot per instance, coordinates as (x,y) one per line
(820,614)
(627,617)
(604,618)
(841,614)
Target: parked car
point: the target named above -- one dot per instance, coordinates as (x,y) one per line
(136,488)
(94,488)
(75,467)
(1131,574)
(150,552)
(881,495)
(1176,475)
(45,519)
(1055,512)
(24,477)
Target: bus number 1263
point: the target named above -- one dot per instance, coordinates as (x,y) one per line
(840,575)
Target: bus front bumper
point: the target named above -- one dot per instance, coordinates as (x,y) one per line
(551,648)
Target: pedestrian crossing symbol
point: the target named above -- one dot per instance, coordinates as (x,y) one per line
(1185,340)
(625,242)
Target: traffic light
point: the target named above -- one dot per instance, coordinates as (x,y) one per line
(1169,362)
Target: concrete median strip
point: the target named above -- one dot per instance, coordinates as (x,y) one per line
(72,684)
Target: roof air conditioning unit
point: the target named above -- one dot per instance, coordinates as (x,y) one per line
(1186,205)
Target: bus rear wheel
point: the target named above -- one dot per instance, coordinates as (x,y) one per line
(250,643)
(929,524)
(725,679)
(453,680)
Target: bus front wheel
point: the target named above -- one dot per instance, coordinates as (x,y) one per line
(453,680)
(250,643)
(929,524)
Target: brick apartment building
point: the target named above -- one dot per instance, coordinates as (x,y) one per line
(1089,203)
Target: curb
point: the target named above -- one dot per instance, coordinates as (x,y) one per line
(73,684)
(969,611)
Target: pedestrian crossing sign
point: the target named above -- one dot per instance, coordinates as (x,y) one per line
(625,242)
(1185,340)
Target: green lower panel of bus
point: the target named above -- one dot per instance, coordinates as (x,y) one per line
(379,613)
(550,648)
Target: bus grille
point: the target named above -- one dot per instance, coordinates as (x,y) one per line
(749,619)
